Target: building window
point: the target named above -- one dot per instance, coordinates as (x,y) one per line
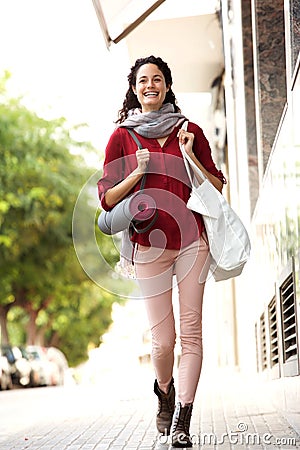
(290,350)
(263,342)
(273,337)
(257,347)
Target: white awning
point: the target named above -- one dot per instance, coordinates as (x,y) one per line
(190,44)
(118,18)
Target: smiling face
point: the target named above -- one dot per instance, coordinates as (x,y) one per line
(150,87)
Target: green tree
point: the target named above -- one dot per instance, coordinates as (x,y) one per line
(40,179)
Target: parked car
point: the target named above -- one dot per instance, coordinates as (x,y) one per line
(48,371)
(20,368)
(5,377)
(35,378)
(57,357)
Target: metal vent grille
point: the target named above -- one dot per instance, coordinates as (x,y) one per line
(289,323)
(263,342)
(257,347)
(274,351)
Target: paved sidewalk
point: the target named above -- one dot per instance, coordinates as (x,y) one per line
(229,413)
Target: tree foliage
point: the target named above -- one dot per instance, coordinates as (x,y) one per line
(45,296)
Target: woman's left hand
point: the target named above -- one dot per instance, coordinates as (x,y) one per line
(187,139)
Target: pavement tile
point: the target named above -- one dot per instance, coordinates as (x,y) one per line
(231,417)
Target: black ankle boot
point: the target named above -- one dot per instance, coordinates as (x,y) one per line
(166,406)
(181,426)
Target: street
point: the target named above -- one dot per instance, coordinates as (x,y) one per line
(119,413)
(60,417)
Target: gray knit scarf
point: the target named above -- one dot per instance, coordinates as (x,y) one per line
(154,124)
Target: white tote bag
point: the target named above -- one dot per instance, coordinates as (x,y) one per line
(227,236)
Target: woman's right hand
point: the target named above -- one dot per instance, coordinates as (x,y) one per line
(120,190)
(142,157)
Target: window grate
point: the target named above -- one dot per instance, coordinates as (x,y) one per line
(263,342)
(256,346)
(288,316)
(273,333)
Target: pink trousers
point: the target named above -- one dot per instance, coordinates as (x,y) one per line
(155,269)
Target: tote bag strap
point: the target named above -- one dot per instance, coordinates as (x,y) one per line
(138,143)
(189,163)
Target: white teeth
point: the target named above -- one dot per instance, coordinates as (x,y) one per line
(151,94)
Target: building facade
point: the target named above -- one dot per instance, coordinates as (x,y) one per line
(262,92)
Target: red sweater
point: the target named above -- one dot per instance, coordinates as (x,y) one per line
(167,182)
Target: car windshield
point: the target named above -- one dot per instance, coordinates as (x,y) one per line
(35,354)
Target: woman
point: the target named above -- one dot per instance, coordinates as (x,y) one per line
(176,243)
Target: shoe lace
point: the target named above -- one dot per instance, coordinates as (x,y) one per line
(182,418)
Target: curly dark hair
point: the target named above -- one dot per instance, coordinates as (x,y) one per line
(131,100)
